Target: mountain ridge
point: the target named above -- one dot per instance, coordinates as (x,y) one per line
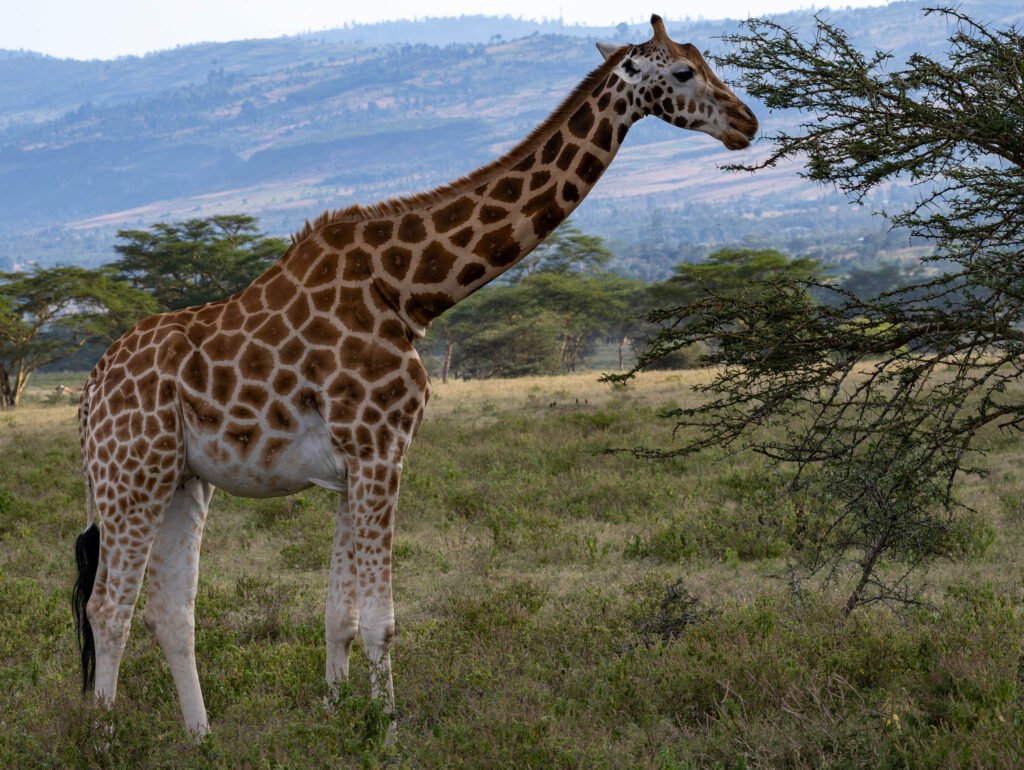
(286,127)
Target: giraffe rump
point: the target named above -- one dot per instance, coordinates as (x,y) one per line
(87,553)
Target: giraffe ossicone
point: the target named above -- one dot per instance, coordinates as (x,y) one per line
(309,376)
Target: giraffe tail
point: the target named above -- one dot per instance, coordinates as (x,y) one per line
(87,555)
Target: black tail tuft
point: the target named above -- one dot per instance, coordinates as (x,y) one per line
(87,554)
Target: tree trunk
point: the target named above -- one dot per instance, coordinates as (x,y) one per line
(622,346)
(7,400)
(447,360)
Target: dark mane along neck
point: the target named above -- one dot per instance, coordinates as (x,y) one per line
(482,175)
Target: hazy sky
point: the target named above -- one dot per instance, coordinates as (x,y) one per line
(110,28)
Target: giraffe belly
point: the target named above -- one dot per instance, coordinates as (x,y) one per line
(274,465)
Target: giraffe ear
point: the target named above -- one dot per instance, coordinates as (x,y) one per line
(607,49)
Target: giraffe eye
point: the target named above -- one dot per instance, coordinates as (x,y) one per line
(683,75)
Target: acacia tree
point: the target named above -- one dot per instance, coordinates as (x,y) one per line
(47,314)
(877,400)
(198,260)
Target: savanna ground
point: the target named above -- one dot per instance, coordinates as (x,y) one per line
(556,606)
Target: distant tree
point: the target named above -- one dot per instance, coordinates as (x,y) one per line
(196,261)
(732,272)
(515,346)
(47,314)
(888,276)
(877,400)
(587,307)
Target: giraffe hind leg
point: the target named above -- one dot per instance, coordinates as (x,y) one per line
(170,604)
(123,553)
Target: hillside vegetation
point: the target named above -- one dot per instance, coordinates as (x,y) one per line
(285,128)
(557,607)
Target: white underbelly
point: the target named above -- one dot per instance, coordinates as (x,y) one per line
(309,458)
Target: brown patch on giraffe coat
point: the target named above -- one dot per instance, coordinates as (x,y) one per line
(570,192)
(462,238)
(353,313)
(223,384)
(231,317)
(499,247)
(551,148)
(253,395)
(279,417)
(298,260)
(434,265)
(194,374)
(544,210)
(148,389)
(379,232)
(604,101)
(298,311)
(272,332)
(491,214)
(453,215)
(389,393)
(425,307)
(411,229)
(590,168)
(358,266)
(539,179)
(621,132)
(603,135)
(324,271)
(320,331)
(285,382)
(318,364)
(471,273)
(393,329)
(242,412)
(243,437)
(324,300)
(340,235)
(206,416)
(291,351)
(507,189)
(397,261)
(568,153)
(526,163)
(581,121)
(279,292)
(142,361)
(257,362)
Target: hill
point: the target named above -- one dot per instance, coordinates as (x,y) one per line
(284,128)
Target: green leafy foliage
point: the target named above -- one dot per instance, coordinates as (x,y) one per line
(196,261)
(877,398)
(47,314)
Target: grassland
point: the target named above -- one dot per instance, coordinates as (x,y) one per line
(557,607)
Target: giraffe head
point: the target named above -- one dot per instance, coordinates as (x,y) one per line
(673,82)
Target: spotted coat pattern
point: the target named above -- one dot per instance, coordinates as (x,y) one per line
(309,375)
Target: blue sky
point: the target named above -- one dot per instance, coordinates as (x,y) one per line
(105,29)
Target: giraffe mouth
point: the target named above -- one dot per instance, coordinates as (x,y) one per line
(734,140)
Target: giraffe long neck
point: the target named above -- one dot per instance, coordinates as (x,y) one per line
(438,248)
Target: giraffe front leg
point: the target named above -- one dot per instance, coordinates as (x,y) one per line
(170,606)
(341,619)
(373,489)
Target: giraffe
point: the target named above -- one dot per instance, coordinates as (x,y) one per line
(310,376)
